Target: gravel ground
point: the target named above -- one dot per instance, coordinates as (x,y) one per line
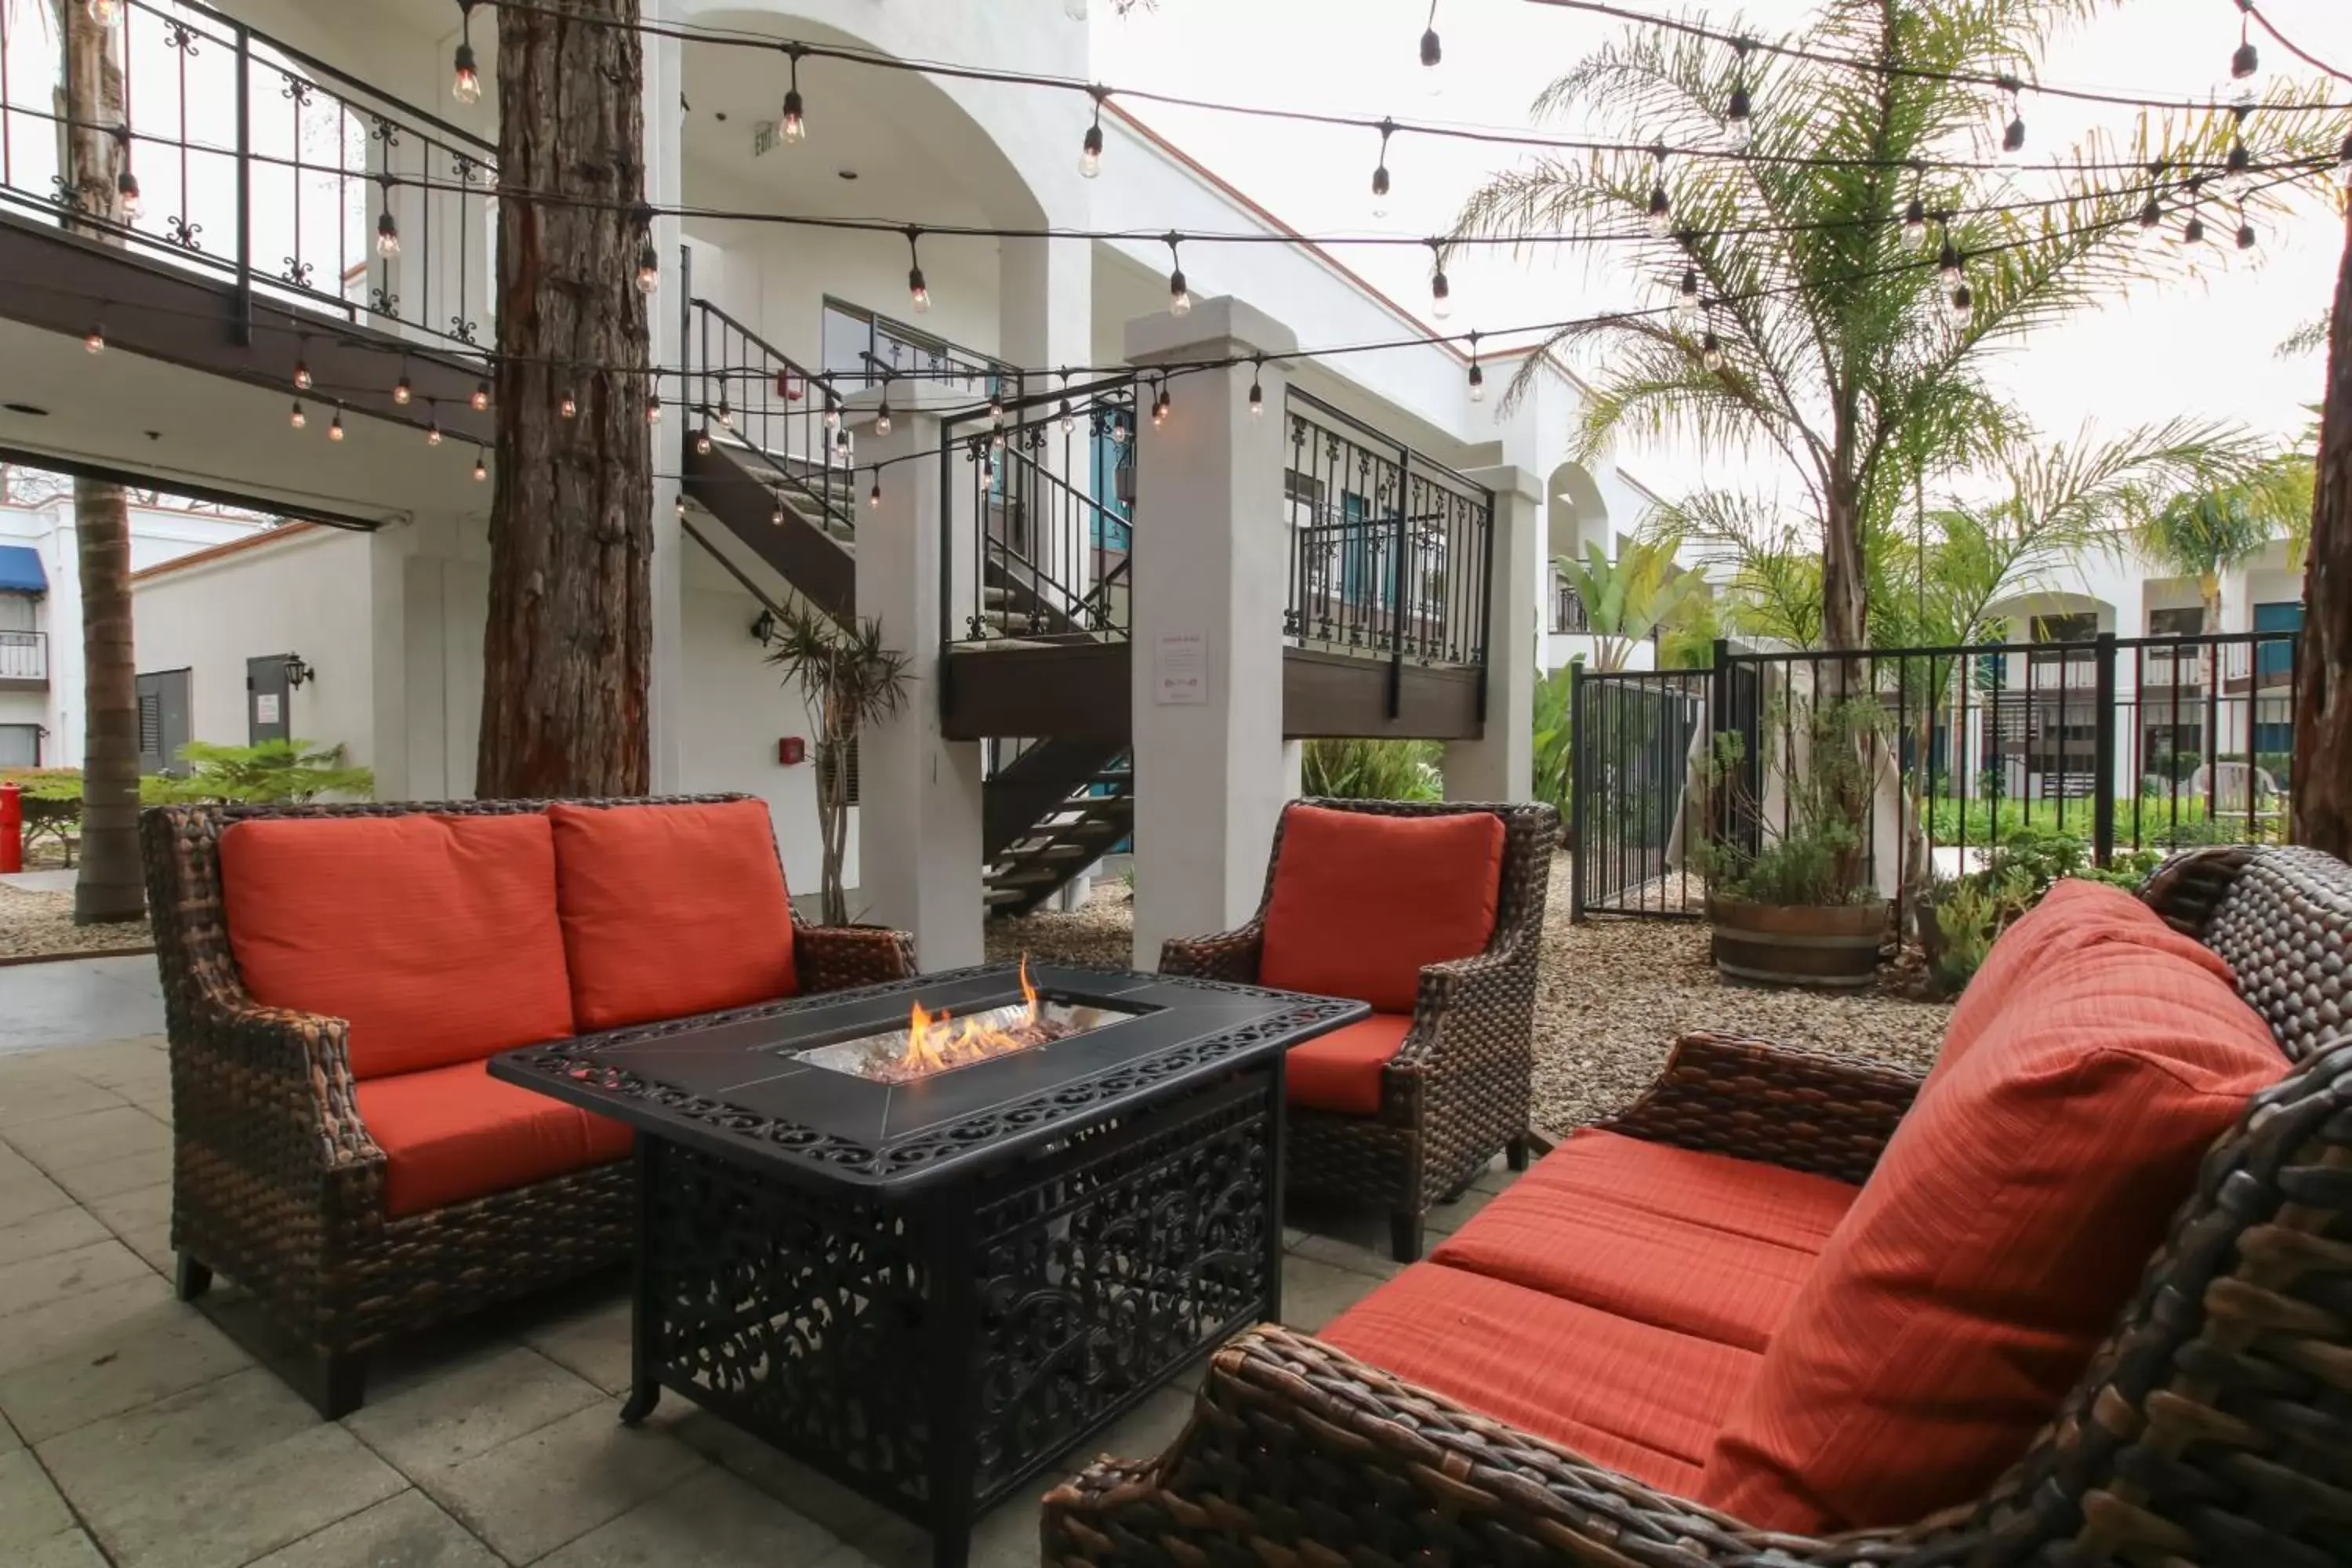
(40,925)
(1612,996)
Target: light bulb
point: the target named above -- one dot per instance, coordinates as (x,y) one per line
(2238,168)
(481,469)
(882,417)
(702,442)
(873,496)
(1740,119)
(1380,191)
(2245,235)
(481,398)
(2343,161)
(679,506)
(917,290)
(570,406)
(1710,351)
(387,235)
(1948,262)
(95,342)
(2012,138)
(1118,434)
(302,375)
(1069,419)
(1961,305)
(725,415)
(777,516)
(648,268)
(466,86)
(653,408)
(2245,62)
(1431,51)
(1256,397)
(795,124)
(2193,231)
(335,427)
(433,434)
(126,186)
(102,12)
(1661,216)
(1477,382)
(401,392)
(1441,295)
(1091,149)
(832,415)
(1179,298)
(996,439)
(1915,221)
(297,418)
(1686,297)
(2152,214)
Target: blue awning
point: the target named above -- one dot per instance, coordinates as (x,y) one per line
(20,570)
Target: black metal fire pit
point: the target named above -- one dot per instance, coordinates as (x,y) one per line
(928,1286)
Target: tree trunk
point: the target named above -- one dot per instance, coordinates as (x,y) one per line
(566,652)
(2323,699)
(1846,593)
(833,820)
(108,886)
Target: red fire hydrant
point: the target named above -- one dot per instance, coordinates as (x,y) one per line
(12,828)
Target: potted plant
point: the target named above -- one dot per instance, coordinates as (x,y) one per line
(1789,894)
(849,678)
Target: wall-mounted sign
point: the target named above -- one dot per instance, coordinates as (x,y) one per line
(265,708)
(1180,669)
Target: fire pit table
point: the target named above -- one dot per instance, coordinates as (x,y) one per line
(925,1236)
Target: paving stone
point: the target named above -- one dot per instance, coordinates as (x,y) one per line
(1314,1293)
(1347,1254)
(123,1066)
(24,1191)
(142,1219)
(59,1230)
(9,1441)
(469,1407)
(66,1549)
(62,1327)
(593,1342)
(548,1488)
(52,1277)
(404,1531)
(709,1520)
(157,1351)
(1004,1538)
(215,1476)
(104,1179)
(1446,1218)
(30,1509)
(797,1486)
(32,1095)
(65,1143)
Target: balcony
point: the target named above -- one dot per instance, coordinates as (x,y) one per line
(24,661)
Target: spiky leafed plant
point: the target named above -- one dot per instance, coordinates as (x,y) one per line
(1627,599)
(1834,343)
(2206,533)
(850,679)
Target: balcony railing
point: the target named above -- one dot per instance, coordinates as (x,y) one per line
(747,392)
(865,349)
(24,656)
(260,166)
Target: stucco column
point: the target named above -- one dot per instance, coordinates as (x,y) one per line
(665,145)
(1211,566)
(1500,764)
(919,794)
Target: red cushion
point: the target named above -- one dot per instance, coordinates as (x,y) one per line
(434,937)
(1341,1071)
(2072,915)
(1701,1244)
(1641,1400)
(2007,1223)
(670,910)
(453,1133)
(1362,901)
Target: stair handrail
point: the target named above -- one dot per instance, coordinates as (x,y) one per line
(1075,606)
(838,508)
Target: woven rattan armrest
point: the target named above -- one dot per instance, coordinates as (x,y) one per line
(1230,955)
(1455,997)
(243,1058)
(1727,1094)
(837,958)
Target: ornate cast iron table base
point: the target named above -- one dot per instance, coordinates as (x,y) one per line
(934,1316)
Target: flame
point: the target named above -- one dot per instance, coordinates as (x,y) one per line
(936,1041)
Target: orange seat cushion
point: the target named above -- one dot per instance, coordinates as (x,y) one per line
(1641,1400)
(453,1134)
(1702,1243)
(433,937)
(2007,1223)
(2072,915)
(1341,1071)
(1362,901)
(670,910)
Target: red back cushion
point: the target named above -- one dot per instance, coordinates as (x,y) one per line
(2005,1227)
(434,937)
(670,910)
(1362,901)
(2072,916)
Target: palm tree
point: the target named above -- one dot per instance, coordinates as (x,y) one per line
(849,680)
(1627,599)
(1823,331)
(2208,533)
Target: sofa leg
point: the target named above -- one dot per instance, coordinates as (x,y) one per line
(335,1383)
(190,1279)
(1517,1151)
(1404,1235)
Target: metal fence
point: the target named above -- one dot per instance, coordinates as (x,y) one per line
(750,394)
(247,160)
(2129,744)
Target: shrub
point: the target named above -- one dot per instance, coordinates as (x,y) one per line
(1372,770)
(1972,911)
(52,802)
(272,771)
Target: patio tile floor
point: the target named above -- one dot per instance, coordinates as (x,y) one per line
(135,1430)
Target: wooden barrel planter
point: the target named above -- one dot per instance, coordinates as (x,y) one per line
(1827,945)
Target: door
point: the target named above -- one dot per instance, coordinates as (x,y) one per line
(163,722)
(265,697)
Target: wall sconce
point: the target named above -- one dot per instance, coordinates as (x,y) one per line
(765,629)
(297,673)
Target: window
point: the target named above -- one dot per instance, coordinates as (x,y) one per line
(2075,626)
(20,745)
(2188,623)
(17,613)
(2275,656)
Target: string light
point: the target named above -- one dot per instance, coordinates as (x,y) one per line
(1661,215)
(1430,50)
(1381,172)
(1068,415)
(2343,161)
(1159,403)
(2247,60)
(466,84)
(725,415)
(1256,392)
(702,441)
(916,290)
(1960,306)
(400,390)
(1948,262)
(1179,298)
(2246,237)
(335,425)
(1739,114)
(1090,145)
(648,268)
(795,124)
(570,406)
(126,190)
(102,12)
(653,408)
(387,228)
(482,468)
(677,506)
(882,414)
(1710,352)
(2239,168)
(873,496)
(831,413)
(2193,231)
(95,339)
(302,375)
(481,398)
(1477,372)
(1915,221)
(776,517)
(1441,292)
(2151,214)
(1686,299)
(433,433)
(841,446)
(297,418)
(2012,138)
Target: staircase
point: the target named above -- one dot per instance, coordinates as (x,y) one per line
(767,474)
(1047,814)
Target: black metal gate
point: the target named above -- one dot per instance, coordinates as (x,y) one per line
(1635,734)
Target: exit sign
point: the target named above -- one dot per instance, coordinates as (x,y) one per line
(764,137)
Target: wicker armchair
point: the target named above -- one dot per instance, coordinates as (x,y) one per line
(2214,1426)
(1458,1091)
(275,1180)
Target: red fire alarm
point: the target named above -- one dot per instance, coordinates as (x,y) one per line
(792,751)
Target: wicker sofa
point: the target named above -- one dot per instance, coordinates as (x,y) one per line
(366,1179)
(2212,1425)
(1405,1108)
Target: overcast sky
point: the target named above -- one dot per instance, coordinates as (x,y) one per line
(2202,345)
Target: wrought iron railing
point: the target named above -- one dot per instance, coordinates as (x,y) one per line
(1040,519)
(257,164)
(1391,551)
(750,394)
(24,656)
(863,348)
